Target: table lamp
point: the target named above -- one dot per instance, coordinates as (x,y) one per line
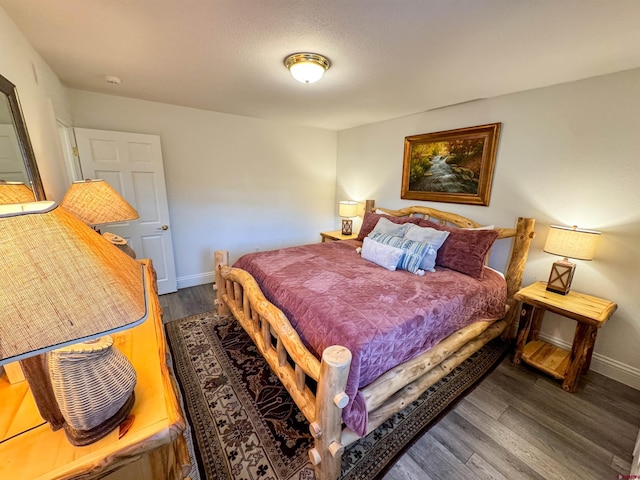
(568,242)
(95,202)
(62,289)
(15,192)
(348,210)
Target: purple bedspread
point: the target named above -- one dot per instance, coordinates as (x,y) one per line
(333,297)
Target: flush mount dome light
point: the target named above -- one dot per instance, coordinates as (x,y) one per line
(307,67)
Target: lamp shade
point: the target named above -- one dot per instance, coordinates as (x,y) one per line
(15,192)
(348,209)
(572,242)
(60,283)
(96,202)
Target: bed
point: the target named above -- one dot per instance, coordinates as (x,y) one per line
(335,353)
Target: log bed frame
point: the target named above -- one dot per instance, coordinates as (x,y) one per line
(277,341)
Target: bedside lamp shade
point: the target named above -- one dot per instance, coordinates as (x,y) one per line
(568,242)
(96,202)
(61,284)
(15,192)
(347,209)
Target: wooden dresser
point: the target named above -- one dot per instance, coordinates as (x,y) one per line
(153,448)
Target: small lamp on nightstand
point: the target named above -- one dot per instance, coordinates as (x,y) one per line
(348,210)
(568,242)
(95,202)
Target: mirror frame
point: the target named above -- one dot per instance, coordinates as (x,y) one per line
(9,89)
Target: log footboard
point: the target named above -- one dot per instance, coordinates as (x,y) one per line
(280,345)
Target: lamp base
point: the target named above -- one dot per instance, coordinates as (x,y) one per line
(93,383)
(347,227)
(120,242)
(80,438)
(561,276)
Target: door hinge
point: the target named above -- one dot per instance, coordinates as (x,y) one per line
(75,151)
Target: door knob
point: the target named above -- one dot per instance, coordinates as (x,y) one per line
(164,227)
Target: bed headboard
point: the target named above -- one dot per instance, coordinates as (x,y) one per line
(522,235)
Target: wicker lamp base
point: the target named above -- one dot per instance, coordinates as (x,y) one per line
(93,385)
(120,242)
(80,438)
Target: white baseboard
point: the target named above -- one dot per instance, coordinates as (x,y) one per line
(606,366)
(193,280)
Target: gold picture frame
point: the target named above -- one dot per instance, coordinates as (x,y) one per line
(454,166)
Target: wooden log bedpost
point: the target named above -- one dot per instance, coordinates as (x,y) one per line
(369,206)
(326,455)
(221,259)
(515,271)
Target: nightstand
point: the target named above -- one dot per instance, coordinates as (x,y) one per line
(336,235)
(590,312)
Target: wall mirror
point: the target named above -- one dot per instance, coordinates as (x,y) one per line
(17,160)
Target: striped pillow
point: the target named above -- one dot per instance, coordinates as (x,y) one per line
(413,251)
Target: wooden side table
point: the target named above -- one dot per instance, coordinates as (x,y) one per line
(336,235)
(590,312)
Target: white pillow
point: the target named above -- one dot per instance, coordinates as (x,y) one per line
(428,262)
(426,234)
(387,227)
(384,255)
(435,238)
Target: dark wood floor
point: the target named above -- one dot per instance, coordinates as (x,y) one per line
(516,424)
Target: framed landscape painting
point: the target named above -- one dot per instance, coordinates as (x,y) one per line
(453,166)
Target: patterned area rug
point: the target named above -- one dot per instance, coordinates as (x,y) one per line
(246,427)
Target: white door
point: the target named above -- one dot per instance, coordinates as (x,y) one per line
(11,163)
(132,164)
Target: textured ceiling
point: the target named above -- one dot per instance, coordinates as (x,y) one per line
(389,57)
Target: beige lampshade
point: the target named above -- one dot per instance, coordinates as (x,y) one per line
(60,283)
(15,192)
(348,209)
(572,242)
(95,202)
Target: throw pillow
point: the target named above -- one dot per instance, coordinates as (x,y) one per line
(429,235)
(464,250)
(389,228)
(413,251)
(386,256)
(371,219)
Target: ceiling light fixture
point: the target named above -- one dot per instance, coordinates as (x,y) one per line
(307,67)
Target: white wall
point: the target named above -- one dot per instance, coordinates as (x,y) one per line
(233,183)
(42,97)
(568,155)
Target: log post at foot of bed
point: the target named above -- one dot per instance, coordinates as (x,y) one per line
(326,455)
(221,259)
